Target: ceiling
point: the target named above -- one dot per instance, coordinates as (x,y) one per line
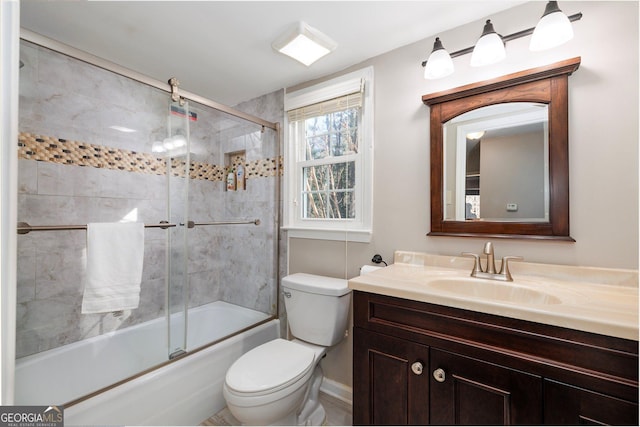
(222,49)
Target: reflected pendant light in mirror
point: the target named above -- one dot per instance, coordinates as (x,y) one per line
(489,49)
(553,29)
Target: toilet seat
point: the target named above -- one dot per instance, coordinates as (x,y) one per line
(270,367)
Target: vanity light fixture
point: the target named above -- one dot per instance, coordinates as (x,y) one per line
(489,48)
(551,29)
(305,44)
(439,63)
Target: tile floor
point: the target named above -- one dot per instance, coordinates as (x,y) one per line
(338,414)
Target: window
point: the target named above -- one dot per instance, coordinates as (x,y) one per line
(328,172)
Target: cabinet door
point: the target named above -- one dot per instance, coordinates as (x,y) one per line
(569,405)
(390,380)
(469,391)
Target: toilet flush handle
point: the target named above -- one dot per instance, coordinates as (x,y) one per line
(286,294)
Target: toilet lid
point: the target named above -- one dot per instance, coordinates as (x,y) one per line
(270,367)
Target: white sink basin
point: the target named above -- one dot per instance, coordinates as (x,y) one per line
(492,290)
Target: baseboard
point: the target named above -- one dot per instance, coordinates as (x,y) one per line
(338,390)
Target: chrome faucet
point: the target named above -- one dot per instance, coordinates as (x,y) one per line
(489,272)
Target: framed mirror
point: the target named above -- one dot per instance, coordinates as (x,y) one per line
(500,158)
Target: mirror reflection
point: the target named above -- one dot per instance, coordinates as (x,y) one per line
(496,164)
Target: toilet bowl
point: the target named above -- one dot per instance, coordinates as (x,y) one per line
(265,384)
(278,383)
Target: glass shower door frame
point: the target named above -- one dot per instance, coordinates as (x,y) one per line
(178,161)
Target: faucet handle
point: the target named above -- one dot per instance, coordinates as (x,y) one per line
(476,262)
(504,268)
(488,248)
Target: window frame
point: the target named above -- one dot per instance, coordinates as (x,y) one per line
(358,229)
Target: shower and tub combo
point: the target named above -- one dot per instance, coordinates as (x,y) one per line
(180,392)
(102,144)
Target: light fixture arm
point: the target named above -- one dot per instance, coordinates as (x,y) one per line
(514,36)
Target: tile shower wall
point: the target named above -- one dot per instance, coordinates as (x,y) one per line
(65,98)
(65,105)
(271,107)
(234,263)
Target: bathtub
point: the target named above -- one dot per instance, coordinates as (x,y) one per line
(184,392)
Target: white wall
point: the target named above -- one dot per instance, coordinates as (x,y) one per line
(512,171)
(603,149)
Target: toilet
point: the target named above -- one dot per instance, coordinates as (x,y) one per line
(278,383)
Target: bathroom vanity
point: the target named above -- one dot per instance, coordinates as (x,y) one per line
(559,345)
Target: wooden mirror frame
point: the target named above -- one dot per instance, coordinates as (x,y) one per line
(547,85)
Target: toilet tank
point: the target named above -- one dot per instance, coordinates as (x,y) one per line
(317,307)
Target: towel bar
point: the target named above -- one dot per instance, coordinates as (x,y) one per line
(25,228)
(191,224)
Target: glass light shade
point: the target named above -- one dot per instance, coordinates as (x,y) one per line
(475,135)
(488,50)
(304,50)
(179,141)
(553,29)
(158,147)
(439,63)
(167,143)
(305,44)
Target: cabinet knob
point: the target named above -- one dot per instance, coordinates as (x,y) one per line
(439,375)
(417,367)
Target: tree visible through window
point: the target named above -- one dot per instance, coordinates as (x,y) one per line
(328,169)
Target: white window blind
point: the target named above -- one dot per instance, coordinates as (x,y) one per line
(352,100)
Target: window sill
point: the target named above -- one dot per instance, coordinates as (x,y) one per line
(360,236)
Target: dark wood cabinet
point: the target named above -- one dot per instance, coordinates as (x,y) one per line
(395,395)
(568,405)
(471,392)
(419,363)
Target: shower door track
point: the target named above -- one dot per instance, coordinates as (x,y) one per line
(81,55)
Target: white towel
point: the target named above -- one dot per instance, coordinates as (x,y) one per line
(115,254)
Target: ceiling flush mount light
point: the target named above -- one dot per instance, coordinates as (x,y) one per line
(304,44)
(489,49)
(553,29)
(439,63)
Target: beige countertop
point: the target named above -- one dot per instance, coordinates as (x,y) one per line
(602,301)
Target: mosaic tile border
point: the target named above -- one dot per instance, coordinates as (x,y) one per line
(68,152)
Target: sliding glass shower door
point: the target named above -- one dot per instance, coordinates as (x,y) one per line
(94,147)
(177,148)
